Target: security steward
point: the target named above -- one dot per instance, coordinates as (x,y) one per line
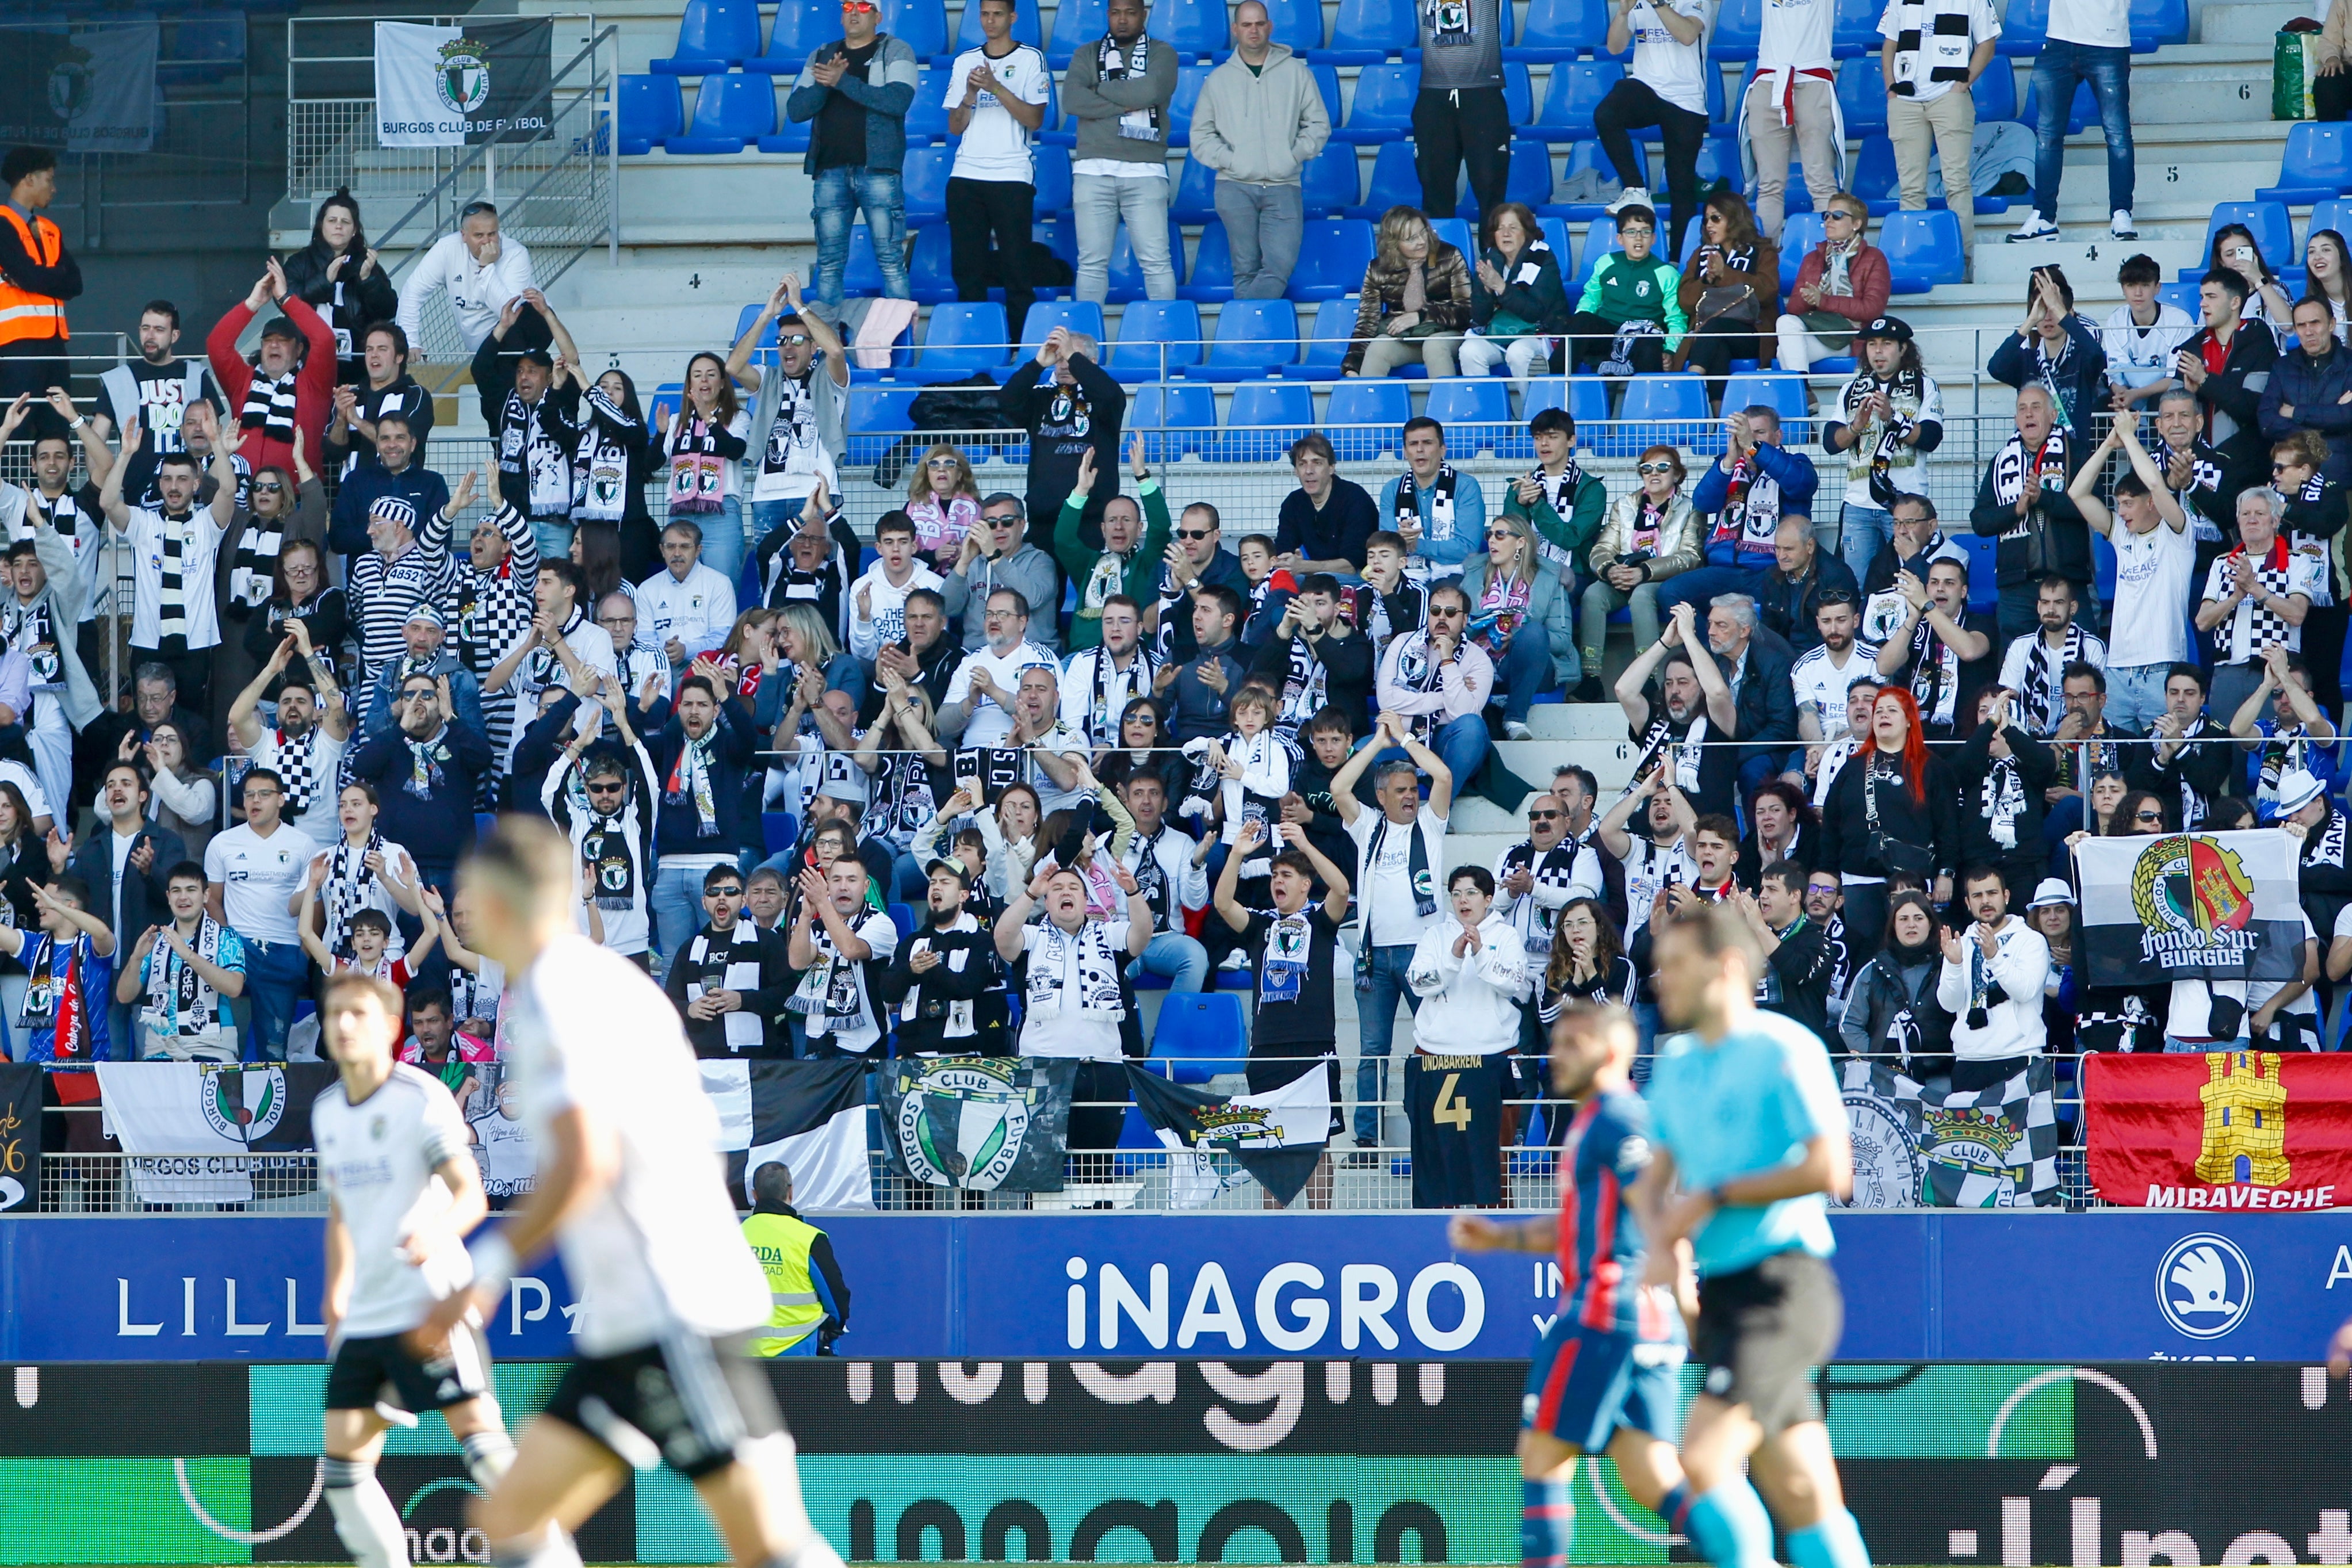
(37,276)
(810,1298)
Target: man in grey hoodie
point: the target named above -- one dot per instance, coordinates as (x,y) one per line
(1260,119)
(1118,87)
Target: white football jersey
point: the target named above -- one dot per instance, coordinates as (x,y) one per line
(377,1159)
(660,1250)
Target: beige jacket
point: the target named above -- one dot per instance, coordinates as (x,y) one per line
(1260,130)
(1677,549)
(2335,46)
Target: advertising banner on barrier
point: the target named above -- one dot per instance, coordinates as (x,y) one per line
(1320,1460)
(2219,1130)
(20,1135)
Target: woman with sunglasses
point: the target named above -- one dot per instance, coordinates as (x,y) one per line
(182,797)
(1518,614)
(1842,283)
(943,500)
(704,446)
(1730,288)
(1647,537)
(280,512)
(1145,746)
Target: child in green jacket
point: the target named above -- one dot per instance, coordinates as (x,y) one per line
(1630,315)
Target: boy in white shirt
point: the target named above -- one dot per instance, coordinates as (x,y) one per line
(2141,336)
(878,601)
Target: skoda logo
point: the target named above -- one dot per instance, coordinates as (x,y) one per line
(2204,1286)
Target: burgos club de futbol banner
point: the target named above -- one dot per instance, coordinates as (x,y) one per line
(2236,1130)
(2189,906)
(1339,1460)
(460,87)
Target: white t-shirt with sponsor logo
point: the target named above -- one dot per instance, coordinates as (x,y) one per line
(996,146)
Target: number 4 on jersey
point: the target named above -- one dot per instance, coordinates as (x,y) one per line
(1450,1109)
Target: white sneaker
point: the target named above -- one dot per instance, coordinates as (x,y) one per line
(1633,196)
(2120,227)
(1513,730)
(2036,227)
(1235,960)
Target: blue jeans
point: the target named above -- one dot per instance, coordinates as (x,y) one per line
(840,194)
(674,897)
(2056,70)
(554,539)
(1182,961)
(1861,533)
(1523,671)
(2136,694)
(1385,966)
(1462,744)
(275,976)
(722,543)
(1699,586)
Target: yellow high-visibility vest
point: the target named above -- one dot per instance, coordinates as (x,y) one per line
(781,1244)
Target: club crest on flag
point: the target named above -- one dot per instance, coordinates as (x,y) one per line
(2193,895)
(1887,1166)
(464,76)
(243,1104)
(962,1122)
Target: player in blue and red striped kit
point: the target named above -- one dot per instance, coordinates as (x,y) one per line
(1605,1375)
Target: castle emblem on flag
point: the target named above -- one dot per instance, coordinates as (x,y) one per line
(2245,1120)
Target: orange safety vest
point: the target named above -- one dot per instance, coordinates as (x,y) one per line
(25,315)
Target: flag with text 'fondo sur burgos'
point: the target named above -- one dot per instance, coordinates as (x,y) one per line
(2232,1129)
(810,1115)
(2189,906)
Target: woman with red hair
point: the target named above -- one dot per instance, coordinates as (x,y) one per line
(1894,811)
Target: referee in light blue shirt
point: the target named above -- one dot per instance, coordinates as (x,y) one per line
(1752,1141)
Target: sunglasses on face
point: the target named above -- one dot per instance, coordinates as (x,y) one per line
(1543,817)
(1449,615)
(1648,469)
(1500,533)
(1200,533)
(722,892)
(272,487)
(788,339)
(604,789)
(2148,816)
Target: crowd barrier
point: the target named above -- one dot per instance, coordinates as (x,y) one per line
(1330,1460)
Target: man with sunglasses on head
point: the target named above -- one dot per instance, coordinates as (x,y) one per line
(798,407)
(996,555)
(857,91)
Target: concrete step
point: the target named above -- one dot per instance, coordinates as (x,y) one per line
(2250,21)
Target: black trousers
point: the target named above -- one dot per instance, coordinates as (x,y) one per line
(978,210)
(32,370)
(1710,350)
(1632,106)
(1589,337)
(2331,96)
(1451,129)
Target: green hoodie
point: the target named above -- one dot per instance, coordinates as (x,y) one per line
(1621,290)
(1095,571)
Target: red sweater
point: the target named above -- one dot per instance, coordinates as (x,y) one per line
(1867,272)
(314,385)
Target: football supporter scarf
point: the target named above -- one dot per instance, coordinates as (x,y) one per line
(176,993)
(1559,489)
(1420,671)
(697,473)
(2282,751)
(690,779)
(269,406)
(1424,888)
(2011,471)
(1934,674)
(1681,752)
(1751,509)
(1110,65)
(55,998)
(256,558)
(426,772)
(298,766)
(2044,698)
(1441,502)
(733,957)
(2000,798)
(605,846)
(1904,391)
(349,887)
(1097,968)
(832,986)
(600,464)
(1932,44)
(171,595)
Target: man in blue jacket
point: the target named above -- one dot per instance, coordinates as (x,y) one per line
(426,772)
(2311,389)
(1440,514)
(858,91)
(394,471)
(1747,490)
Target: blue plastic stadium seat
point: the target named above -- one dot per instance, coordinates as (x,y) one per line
(1078,315)
(861,274)
(1193,28)
(1528,181)
(1195,197)
(1254,336)
(2316,164)
(1563,249)
(1799,236)
(1367,31)
(1262,419)
(1327,83)
(791,135)
(1327,341)
(1396,181)
(799,29)
(1189,80)
(1331,181)
(931,266)
(2083,111)
(878,417)
(1560,30)
(1027,29)
(1475,412)
(2273,232)
(1176,419)
(1052,177)
(1996,91)
(1211,281)
(1519,93)
(1738,29)
(1331,259)
(1200,1036)
(1126,274)
(1147,329)
(2335,213)
(668,396)
(1874,178)
(921,24)
(731,111)
(1660,408)
(206,46)
(2024,28)
(1585,397)
(924,182)
(927,116)
(1984,591)
(963,337)
(1862,94)
(2155,23)
(1784,394)
(1365,418)
(1455,232)
(1383,108)
(1923,249)
(651,112)
(2184,295)
(1076,23)
(1855,33)
(1299,23)
(1576,91)
(713,36)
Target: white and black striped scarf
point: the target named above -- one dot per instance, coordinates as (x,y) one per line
(1098,971)
(269,406)
(1112,65)
(2044,695)
(1904,391)
(176,993)
(730,958)
(1932,45)
(2000,799)
(1934,674)
(1441,502)
(1418,672)
(171,599)
(2011,473)
(251,569)
(296,766)
(349,887)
